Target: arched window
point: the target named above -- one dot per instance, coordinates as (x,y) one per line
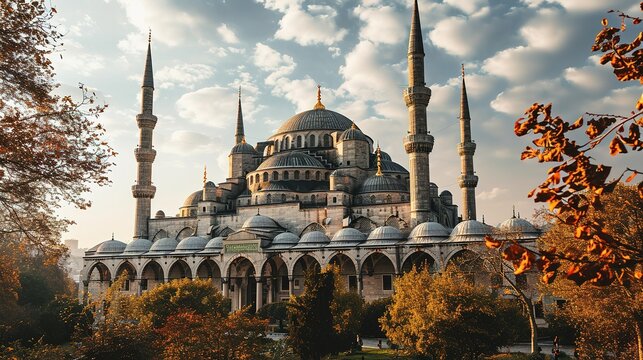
(286,143)
(297,197)
(328,141)
(298,141)
(283,197)
(327,176)
(269,198)
(388,198)
(317,176)
(312,141)
(275,175)
(250,178)
(286,175)
(276,145)
(312,199)
(265,176)
(372,199)
(296,174)
(257,178)
(307,175)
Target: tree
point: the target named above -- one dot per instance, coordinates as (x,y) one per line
(51,150)
(443,316)
(371,314)
(576,184)
(609,319)
(187,335)
(198,296)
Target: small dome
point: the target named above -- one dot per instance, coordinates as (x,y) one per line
(347,237)
(385,156)
(289,159)
(433,189)
(210,185)
(259,222)
(284,240)
(470,230)
(446,197)
(191,244)
(353,134)
(392,167)
(110,247)
(163,245)
(381,184)
(193,199)
(320,119)
(214,245)
(313,239)
(160,215)
(243,148)
(383,236)
(428,232)
(138,246)
(276,186)
(515,224)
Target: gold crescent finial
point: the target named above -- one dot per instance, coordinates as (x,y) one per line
(463,71)
(205,174)
(319,105)
(379,161)
(353,126)
(149,35)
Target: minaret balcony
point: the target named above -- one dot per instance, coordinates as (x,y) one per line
(468,148)
(144,155)
(418,143)
(143,191)
(468,181)
(417,95)
(146,121)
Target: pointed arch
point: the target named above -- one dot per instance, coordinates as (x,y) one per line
(161,234)
(312,227)
(419,259)
(185,232)
(179,270)
(363,224)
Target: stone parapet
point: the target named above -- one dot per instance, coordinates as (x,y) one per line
(143,191)
(418,143)
(466,181)
(145,155)
(468,148)
(417,95)
(146,121)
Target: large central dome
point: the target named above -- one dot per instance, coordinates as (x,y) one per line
(319,119)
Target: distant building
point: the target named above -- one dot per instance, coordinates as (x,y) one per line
(74,263)
(316,192)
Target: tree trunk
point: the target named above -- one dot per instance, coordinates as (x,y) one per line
(639,336)
(533,326)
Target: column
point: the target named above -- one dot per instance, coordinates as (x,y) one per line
(291,285)
(270,290)
(360,285)
(226,290)
(259,301)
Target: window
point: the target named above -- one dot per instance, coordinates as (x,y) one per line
(387,282)
(257,178)
(286,175)
(297,197)
(296,284)
(269,198)
(276,145)
(296,174)
(143,284)
(283,197)
(265,176)
(352,283)
(328,141)
(204,209)
(388,198)
(312,141)
(286,143)
(327,176)
(307,175)
(298,141)
(250,178)
(317,176)
(275,175)
(312,198)
(348,163)
(126,285)
(372,199)
(285,284)
(334,199)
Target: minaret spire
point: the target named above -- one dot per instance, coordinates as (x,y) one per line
(467,180)
(239,135)
(144,191)
(418,143)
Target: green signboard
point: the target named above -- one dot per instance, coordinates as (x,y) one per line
(241,247)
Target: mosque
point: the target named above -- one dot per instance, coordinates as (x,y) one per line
(316,192)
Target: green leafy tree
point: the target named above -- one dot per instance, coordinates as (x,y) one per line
(443,317)
(372,312)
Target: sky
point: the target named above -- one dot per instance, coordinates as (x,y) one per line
(515,53)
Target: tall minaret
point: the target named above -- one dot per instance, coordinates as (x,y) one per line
(468,180)
(418,143)
(239,136)
(144,191)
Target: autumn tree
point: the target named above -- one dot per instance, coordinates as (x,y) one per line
(443,316)
(609,319)
(51,148)
(576,184)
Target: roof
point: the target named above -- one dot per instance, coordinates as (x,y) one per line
(347,237)
(392,167)
(138,246)
(191,244)
(294,159)
(193,199)
(312,239)
(320,119)
(381,184)
(260,222)
(243,148)
(284,240)
(383,236)
(428,232)
(110,247)
(163,245)
(353,134)
(470,230)
(515,224)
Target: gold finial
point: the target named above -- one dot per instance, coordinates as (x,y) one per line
(463,71)
(112,236)
(319,105)
(205,174)
(243,139)
(379,161)
(149,35)
(353,126)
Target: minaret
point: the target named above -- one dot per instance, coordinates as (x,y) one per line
(467,180)
(418,143)
(239,135)
(144,191)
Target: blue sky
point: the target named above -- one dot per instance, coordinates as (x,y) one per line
(515,52)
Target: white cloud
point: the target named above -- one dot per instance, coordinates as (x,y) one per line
(227,35)
(519,64)
(186,143)
(382,24)
(279,5)
(593,77)
(547,31)
(469,6)
(335,51)
(214,106)
(491,194)
(184,75)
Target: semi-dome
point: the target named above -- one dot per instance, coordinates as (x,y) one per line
(427,232)
(470,230)
(312,239)
(193,199)
(163,245)
(289,159)
(259,222)
(347,237)
(243,148)
(191,244)
(284,240)
(319,119)
(382,184)
(515,224)
(138,246)
(160,215)
(215,245)
(210,185)
(385,156)
(446,197)
(353,134)
(392,167)
(383,236)
(110,247)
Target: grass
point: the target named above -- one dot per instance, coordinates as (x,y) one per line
(370,354)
